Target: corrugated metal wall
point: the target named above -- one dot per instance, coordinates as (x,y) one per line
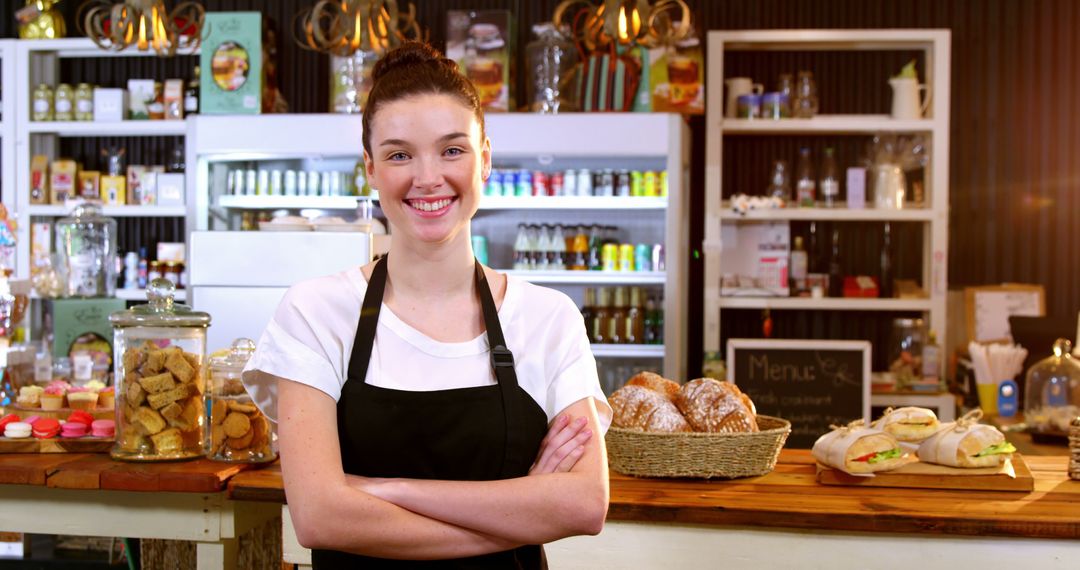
(1015,132)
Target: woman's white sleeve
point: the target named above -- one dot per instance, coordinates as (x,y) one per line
(575,376)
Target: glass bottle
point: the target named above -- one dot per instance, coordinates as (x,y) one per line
(830,180)
(635,318)
(64,103)
(159,379)
(84,102)
(549,58)
(191,94)
(533,232)
(886,286)
(906,343)
(799,263)
(587,310)
(836,274)
(805,103)
(617,318)
(596,262)
(86,242)
(653,323)
(805,185)
(558,250)
(42,107)
(521,249)
(544,248)
(780,181)
(580,251)
(785,85)
(931,360)
(601,316)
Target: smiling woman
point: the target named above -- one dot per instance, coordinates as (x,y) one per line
(429,407)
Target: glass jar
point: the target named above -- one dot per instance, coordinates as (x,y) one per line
(86,243)
(84,102)
(155,271)
(42,107)
(780,181)
(64,103)
(804,105)
(1052,391)
(239,432)
(550,59)
(160,383)
(906,350)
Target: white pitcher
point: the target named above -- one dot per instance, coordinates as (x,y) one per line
(737,86)
(905,98)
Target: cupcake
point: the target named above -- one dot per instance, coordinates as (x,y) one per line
(30,397)
(81,399)
(52,398)
(107,398)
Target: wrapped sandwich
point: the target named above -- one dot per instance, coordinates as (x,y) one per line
(857,449)
(909,424)
(967,444)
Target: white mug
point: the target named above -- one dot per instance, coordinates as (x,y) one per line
(739,86)
(905,98)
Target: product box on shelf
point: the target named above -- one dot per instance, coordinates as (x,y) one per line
(39,179)
(481,42)
(84,323)
(756,258)
(141,94)
(674,78)
(62,180)
(110,105)
(170,189)
(114,190)
(233,53)
(40,241)
(174,99)
(89,185)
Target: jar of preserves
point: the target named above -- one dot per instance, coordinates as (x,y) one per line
(906,351)
(84,102)
(239,432)
(86,246)
(42,106)
(159,378)
(1052,392)
(171,272)
(64,103)
(155,271)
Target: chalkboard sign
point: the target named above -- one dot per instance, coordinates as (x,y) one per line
(810,383)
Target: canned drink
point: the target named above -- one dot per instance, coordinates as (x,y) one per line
(264,183)
(658,262)
(607,183)
(290,183)
(313,183)
(251,184)
(524,183)
(650,188)
(643,257)
(509,183)
(230,182)
(609,257)
(326,183)
(622,183)
(301,183)
(480,249)
(584,182)
(276,183)
(663,183)
(637,185)
(570,183)
(557,184)
(626,257)
(494,183)
(540,186)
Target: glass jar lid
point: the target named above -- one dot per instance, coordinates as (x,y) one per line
(84,213)
(237,356)
(161,311)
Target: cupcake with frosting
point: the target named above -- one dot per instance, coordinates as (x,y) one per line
(30,397)
(107,398)
(80,398)
(53,397)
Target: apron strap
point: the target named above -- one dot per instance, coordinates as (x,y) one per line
(369,321)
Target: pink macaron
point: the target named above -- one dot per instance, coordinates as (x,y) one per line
(73,429)
(32,419)
(103,428)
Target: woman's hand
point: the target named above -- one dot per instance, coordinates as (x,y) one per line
(563,445)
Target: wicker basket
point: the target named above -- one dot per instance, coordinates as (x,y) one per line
(724,455)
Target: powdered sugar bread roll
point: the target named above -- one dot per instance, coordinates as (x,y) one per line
(970,446)
(656,383)
(909,424)
(859,450)
(636,407)
(712,406)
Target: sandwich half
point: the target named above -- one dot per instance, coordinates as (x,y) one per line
(859,450)
(971,446)
(909,424)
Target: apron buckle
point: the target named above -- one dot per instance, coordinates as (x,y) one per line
(500,357)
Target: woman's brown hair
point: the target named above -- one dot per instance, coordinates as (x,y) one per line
(416,68)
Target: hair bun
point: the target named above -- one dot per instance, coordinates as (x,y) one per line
(409,54)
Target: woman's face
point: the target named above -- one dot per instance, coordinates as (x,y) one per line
(429,162)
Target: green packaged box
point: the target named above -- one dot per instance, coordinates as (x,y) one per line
(83,324)
(232,52)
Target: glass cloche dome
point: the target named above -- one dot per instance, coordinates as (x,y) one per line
(1052,391)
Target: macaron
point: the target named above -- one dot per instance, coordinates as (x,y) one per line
(17,430)
(32,419)
(46,428)
(10,418)
(73,429)
(103,428)
(82,417)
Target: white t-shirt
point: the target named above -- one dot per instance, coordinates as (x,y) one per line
(310,340)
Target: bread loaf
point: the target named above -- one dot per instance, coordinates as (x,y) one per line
(656,383)
(712,406)
(636,407)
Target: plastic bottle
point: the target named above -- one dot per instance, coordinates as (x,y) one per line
(799,264)
(557,255)
(595,262)
(888,277)
(534,246)
(836,274)
(805,184)
(830,180)
(617,318)
(601,316)
(635,318)
(521,249)
(541,259)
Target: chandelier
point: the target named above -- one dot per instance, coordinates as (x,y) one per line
(145,24)
(343,27)
(624,23)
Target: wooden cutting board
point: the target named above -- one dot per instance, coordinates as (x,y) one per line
(55,445)
(1014,475)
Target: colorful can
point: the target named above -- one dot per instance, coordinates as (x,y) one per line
(622,183)
(650,187)
(509,183)
(276,183)
(480,249)
(643,257)
(290,182)
(250,182)
(494,185)
(524,183)
(584,182)
(313,183)
(540,185)
(606,185)
(658,262)
(569,183)
(626,257)
(637,185)
(609,257)
(663,183)
(557,184)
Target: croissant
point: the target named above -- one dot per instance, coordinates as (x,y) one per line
(712,406)
(636,407)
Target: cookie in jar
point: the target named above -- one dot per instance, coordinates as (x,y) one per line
(160,378)
(239,432)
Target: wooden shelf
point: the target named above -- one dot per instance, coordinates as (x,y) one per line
(825,124)
(841,213)
(85,47)
(826,304)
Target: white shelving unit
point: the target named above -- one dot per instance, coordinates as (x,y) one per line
(8,90)
(39,61)
(936,44)
(535,142)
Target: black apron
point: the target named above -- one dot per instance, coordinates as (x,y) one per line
(466,434)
